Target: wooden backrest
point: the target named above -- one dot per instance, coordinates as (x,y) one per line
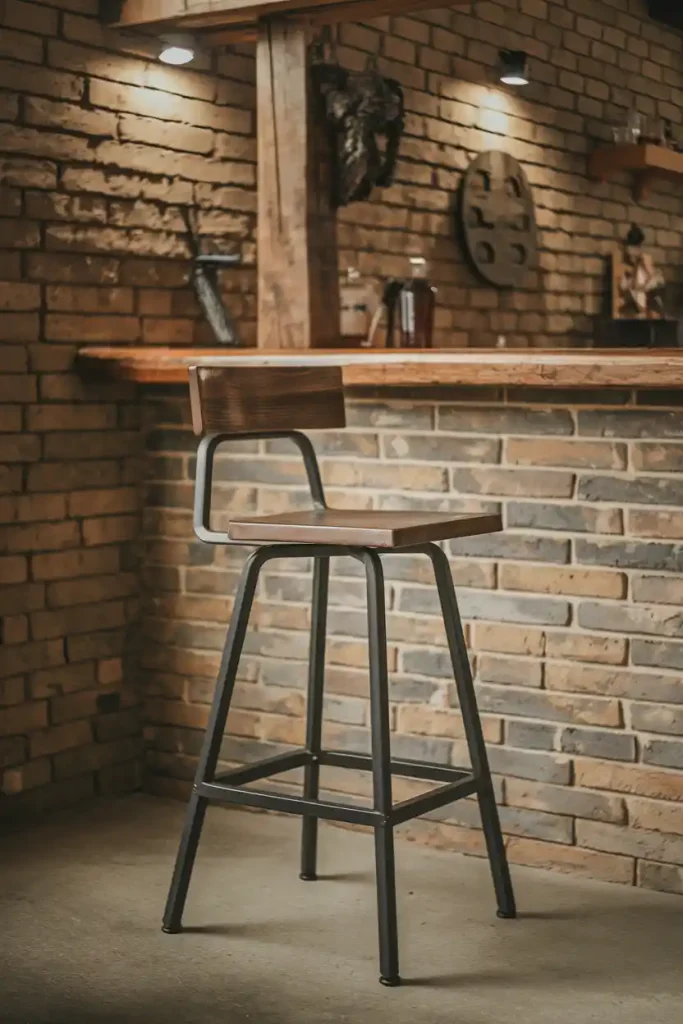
(260,399)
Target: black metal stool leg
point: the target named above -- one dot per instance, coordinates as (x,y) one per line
(314,714)
(212,742)
(381,771)
(475,738)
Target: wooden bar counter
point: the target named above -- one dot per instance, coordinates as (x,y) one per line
(393,368)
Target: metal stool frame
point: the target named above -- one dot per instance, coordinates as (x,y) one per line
(228,787)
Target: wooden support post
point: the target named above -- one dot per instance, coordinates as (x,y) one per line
(298,279)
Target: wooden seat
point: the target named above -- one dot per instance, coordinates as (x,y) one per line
(360,528)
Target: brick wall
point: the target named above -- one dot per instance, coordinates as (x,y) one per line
(573,617)
(100,150)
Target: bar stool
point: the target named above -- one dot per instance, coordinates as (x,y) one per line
(231,403)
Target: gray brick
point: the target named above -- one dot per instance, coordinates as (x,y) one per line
(626,618)
(553,707)
(244,751)
(475,604)
(665,753)
(657,654)
(520,547)
(662,877)
(257,471)
(343,622)
(633,842)
(516,821)
(630,423)
(407,689)
(530,735)
(579,803)
(605,743)
(651,490)
(363,445)
(347,710)
(441,448)
(526,764)
(428,662)
(422,748)
(658,458)
(351,738)
(502,420)
(630,554)
(164,440)
(493,668)
(656,718)
(401,415)
(571,518)
(657,589)
(528,483)
(277,645)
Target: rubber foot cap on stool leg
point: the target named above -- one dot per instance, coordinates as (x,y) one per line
(506,915)
(171,929)
(308,878)
(390,982)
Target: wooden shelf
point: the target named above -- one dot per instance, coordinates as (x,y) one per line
(646,162)
(405,369)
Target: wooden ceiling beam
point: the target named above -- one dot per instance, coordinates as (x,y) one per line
(199,15)
(241,31)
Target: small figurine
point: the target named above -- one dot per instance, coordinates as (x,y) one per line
(638,285)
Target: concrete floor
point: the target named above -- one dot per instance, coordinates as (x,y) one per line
(81,897)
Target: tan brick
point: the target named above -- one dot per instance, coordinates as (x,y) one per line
(77,619)
(629,778)
(49,682)
(81,562)
(607,867)
(42,536)
(81,329)
(12,691)
(110,529)
(427,721)
(19,327)
(89,300)
(110,671)
(22,15)
(559,452)
(559,580)
(23,598)
(60,737)
(13,569)
(26,776)
(92,758)
(91,589)
(12,751)
(656,815)
(23,718)
(582,647)
(508,639)
(15,629)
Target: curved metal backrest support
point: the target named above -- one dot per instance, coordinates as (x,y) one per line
(204,477)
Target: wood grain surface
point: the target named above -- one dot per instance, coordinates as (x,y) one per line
(264,398)
(565,368)
(298,273)
(361,528)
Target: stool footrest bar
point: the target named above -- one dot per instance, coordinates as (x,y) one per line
(409,769)
(263,769)
(425,802)
(222,793)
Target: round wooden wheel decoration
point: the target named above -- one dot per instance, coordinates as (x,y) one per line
(498,222)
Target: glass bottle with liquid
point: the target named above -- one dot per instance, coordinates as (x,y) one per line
(410,308)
